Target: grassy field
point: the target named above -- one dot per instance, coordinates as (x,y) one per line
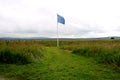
(105,51)
(73,60)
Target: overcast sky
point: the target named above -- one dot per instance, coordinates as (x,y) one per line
(38,18)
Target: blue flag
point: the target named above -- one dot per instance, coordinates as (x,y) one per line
(60,19)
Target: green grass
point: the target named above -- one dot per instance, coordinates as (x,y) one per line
(53,63)
(68,66)
(105,51)
(19,52)
(14,57)
(60,65)
(110,56)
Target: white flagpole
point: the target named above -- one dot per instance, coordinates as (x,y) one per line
(57,35)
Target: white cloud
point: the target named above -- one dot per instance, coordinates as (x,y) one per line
(37,18)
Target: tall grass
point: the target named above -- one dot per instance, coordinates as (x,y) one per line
(106,51)
(110,56)
(20,52)
(55,62)
(14,57)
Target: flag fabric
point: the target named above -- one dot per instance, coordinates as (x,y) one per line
(60,19)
